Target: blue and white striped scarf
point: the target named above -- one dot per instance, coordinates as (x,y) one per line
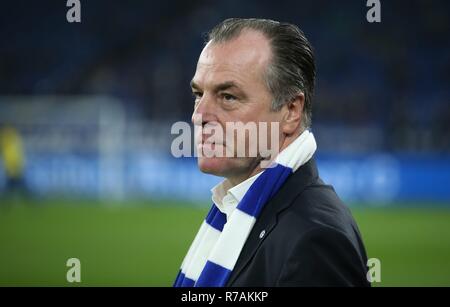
(218,244)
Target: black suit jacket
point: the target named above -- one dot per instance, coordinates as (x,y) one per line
(304,236)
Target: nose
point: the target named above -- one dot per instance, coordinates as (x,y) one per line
(203,112)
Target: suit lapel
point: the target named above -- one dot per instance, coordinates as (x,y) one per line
(268,218)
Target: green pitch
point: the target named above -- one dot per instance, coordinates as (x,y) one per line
(143,243)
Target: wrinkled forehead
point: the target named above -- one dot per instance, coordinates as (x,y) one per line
(246,55)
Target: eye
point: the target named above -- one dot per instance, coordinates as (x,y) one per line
(228,97)
(197,95)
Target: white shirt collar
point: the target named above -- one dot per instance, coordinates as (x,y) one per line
(226,197)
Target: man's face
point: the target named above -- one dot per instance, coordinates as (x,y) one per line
(229,86)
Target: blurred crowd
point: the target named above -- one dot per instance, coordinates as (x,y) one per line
(392,76)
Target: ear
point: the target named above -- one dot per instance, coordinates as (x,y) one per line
(293,111)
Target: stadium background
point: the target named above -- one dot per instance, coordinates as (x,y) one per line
(89,107)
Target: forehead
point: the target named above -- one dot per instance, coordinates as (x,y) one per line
(243,59)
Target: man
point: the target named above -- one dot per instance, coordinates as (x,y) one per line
(12,158)
(274,226)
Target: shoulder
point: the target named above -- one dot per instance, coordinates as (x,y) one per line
(319,207)
(318,215)
(325,244)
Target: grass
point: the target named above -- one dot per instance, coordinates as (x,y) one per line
(143,244)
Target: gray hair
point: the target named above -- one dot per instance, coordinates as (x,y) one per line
(292,70)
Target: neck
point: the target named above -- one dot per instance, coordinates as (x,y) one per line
(255,166)
(254,169)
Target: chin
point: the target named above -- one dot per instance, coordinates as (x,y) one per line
(214,166)
(225,167)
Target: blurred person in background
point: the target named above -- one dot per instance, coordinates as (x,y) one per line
(13,161)
(279,226)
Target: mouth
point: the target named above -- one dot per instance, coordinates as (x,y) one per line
(211,149)
(205,141)
(211,142)
(211,145)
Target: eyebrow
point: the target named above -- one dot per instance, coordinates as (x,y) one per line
(219,87)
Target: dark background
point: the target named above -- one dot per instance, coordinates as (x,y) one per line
(392,76)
